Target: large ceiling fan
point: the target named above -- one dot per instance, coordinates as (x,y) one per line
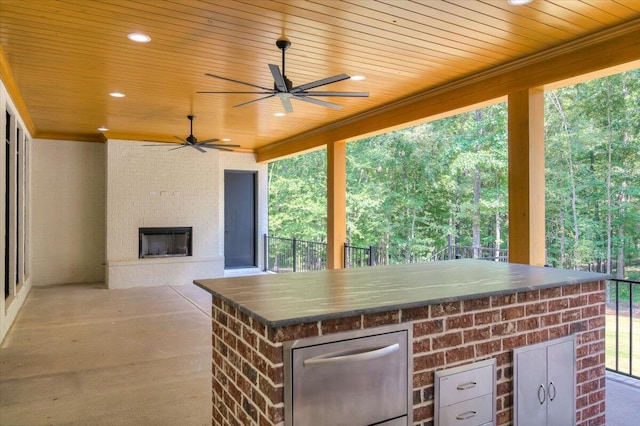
(193,142)
(283,87)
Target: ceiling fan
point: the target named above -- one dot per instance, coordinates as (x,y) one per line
(283,87)
(192,141)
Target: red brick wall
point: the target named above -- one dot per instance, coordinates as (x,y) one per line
(248,358)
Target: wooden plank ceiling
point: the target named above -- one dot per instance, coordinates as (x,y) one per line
(64,57)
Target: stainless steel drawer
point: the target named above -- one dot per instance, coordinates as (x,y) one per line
(476,411)
(358,380)
(465,385)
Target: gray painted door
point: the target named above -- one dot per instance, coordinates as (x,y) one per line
(239,219)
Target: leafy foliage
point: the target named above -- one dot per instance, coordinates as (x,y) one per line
(411,192)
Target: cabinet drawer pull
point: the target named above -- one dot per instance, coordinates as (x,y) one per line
(466,415)
(542,397)
(467,385)
(552,391)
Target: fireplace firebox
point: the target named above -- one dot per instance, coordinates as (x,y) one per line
(164,242)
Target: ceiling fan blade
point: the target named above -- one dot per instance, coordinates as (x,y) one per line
(278,79)
(217,145)
(286,104)
(318,83)
(198,148)
(208,140)
(341,94)
(181,146)
(220,148)
(255,100)
(237,81)
(242,93)
(318,102)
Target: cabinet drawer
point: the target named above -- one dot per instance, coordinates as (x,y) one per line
(458,387)
(476,411)
(358,378)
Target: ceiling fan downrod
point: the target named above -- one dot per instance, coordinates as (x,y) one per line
(283,44)
(191,139)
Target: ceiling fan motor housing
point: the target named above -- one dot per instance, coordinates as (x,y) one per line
(283,43)
(286,81)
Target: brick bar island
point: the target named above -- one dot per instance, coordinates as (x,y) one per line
(460,311)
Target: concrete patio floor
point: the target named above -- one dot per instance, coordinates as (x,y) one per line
(85,355)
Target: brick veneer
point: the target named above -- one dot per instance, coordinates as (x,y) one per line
(248,356)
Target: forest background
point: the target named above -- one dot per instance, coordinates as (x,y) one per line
(412,192)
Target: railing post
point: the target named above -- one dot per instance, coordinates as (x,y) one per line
(630,328)
(371,255)
(617,321)
(266,253)
(344,256)
(293,250)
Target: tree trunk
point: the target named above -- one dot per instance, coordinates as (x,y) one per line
(562,240)
(565,127)
(497,240)
(476,212)
(620,264)
(609,207)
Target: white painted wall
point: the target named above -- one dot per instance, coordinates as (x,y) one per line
(68,212)
(155,187)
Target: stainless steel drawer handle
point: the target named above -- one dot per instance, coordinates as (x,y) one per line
(466,386)
(466,415)
(350,356)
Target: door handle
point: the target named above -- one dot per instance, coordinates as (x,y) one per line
(350,356)
(552,387)
(543,397)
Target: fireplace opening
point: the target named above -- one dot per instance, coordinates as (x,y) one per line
(164,242)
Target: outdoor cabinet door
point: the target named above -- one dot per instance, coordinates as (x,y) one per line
(561,386)
(531,387)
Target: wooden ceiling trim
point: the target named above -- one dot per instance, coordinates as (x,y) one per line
(556,64)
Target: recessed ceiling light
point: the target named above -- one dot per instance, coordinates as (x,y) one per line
(139,37)
(117,94)
(102,129)
(358,77)
(226,139)
(279,114)
(519,2)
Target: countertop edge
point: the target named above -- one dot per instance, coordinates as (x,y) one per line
(396,306)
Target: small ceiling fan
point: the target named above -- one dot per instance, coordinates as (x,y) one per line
(283,87)
(192,141)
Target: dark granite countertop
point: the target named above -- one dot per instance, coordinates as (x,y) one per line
(284,299)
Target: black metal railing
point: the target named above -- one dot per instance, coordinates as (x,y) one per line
(355,257)
(293,255)
(468,252)
(622,327)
